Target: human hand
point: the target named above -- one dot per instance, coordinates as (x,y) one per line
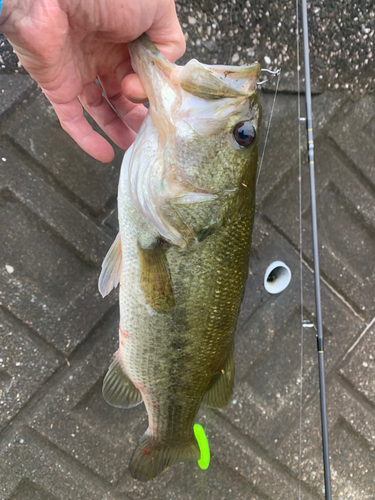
(66,44)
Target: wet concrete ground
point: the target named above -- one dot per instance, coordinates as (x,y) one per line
(238,32)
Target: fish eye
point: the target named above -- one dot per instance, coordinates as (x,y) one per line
(244,134)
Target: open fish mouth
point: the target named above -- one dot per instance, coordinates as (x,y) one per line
(202,80)
(166,83)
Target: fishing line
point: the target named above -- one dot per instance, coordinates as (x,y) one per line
(274,73)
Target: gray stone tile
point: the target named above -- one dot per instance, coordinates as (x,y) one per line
(50,268)
(354,131)
(38,132)
(24,365)
(354,477)
(346,225)
(352,441)
(188,482)
(54,254)
(75,417)
(27,490)
(360,369)
(266,392)
(281,152)
(78,231)
(111,220)
(245,456)
(46,279)
(36,467)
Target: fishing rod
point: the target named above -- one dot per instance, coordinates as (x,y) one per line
(318,308)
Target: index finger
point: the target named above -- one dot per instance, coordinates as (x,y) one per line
(72,120)
(166,33)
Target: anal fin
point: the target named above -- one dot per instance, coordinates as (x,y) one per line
(155,279)
(118,389)
(111,268)
(218,395)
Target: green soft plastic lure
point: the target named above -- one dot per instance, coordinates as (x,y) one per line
(204,448)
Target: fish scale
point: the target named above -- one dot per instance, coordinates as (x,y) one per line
(186,210)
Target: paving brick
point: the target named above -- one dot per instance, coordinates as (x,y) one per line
(351,438)
(51,269)
(281,152)
(13,89)
(32,466)
(353,130)
(54,253)
(188,482)
(268,344)
(244,455)
(353,462)
(39,133)
(111,220)
(346,215)
(360,370)
(78,231)
(24,365)
(75,417)
(27,490)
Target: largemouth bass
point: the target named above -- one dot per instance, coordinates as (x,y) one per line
(186,209)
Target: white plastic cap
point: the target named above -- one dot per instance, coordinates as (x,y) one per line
(277,277)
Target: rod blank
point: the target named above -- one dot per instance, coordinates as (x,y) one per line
(319,323)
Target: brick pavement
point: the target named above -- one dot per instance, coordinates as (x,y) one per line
(60,440)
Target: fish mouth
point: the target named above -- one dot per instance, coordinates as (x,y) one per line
(166,84)
(202,80)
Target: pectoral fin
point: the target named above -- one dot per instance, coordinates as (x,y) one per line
(118,389)
(204,213)
(220,392)
(155,279)
(111,268)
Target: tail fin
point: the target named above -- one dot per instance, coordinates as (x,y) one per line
(150,458)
